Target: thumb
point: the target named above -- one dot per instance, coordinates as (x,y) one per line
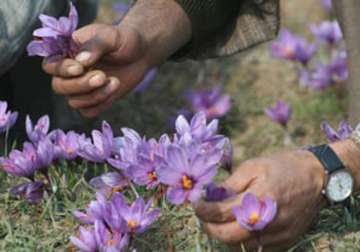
(240,181)
(99,42)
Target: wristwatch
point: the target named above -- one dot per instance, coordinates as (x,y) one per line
(340,182)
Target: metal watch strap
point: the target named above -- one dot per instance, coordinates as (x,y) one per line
(328,158)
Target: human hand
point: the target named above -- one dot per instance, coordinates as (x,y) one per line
(113,60)
(293,179)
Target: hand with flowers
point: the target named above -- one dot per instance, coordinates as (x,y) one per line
(292,180)
(113,60)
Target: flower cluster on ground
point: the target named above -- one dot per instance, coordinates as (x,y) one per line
(319,64)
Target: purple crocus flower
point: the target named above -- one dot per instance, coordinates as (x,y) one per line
(146,82)
(54,39)
(327,4)
(45,153)
(254,214)
(338,67)
(39,131)
(86,242)
(66,146)
(101,146)
(109,241)
(136,217)
(292,47)
(327,31)
(109,183)
(317,79)
(344,131)
(280,113)
(126,151)
(216,193)
(211,101)
(21,163)
(197,128)
(32,192)
(7,118)
(97,210)
(187,176)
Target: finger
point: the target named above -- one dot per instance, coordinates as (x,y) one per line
(218,212)
(229,233)
(64,68)
(81,85)
(98,109)
(96,97)
(101,41)
(242,177)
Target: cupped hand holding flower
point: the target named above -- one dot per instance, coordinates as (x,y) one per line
(292,180)
(114,59)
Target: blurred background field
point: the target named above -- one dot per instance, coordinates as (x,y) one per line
(254,80)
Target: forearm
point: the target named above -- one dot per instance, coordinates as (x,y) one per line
(163,24)
(349,153)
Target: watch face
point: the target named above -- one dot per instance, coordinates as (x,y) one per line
(340,186)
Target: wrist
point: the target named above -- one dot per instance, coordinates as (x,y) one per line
(163,26)
(349,153)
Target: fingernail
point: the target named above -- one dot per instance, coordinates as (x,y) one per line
(111,87)
(97,80)
(83,56)
(74,70)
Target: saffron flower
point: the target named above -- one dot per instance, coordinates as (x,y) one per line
(137,217)
(7,118)
(151,156)
(292,47)
(328,32)
(97,210)
(45,153)
(280,113)
(109,241)
(327,4)
(100,148)
(187,176)
(343,132)
(39,131)
(21,163)
(146,82)
(211,101)
(216,193)
(197,128)
(32,192)
(66,145)
(54,39)
(126,151)
(86,242)
(254,214)
(109,183)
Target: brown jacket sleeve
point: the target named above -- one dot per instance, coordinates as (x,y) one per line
(225,27)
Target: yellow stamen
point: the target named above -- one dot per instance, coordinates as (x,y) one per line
(132,225)
(254,218)
(152,176)
(187,183)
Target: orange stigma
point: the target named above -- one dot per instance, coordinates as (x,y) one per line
(111,242)
(116,189)
(289,52)
(152,176)
(254,218)
(132,225)
(187,183)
